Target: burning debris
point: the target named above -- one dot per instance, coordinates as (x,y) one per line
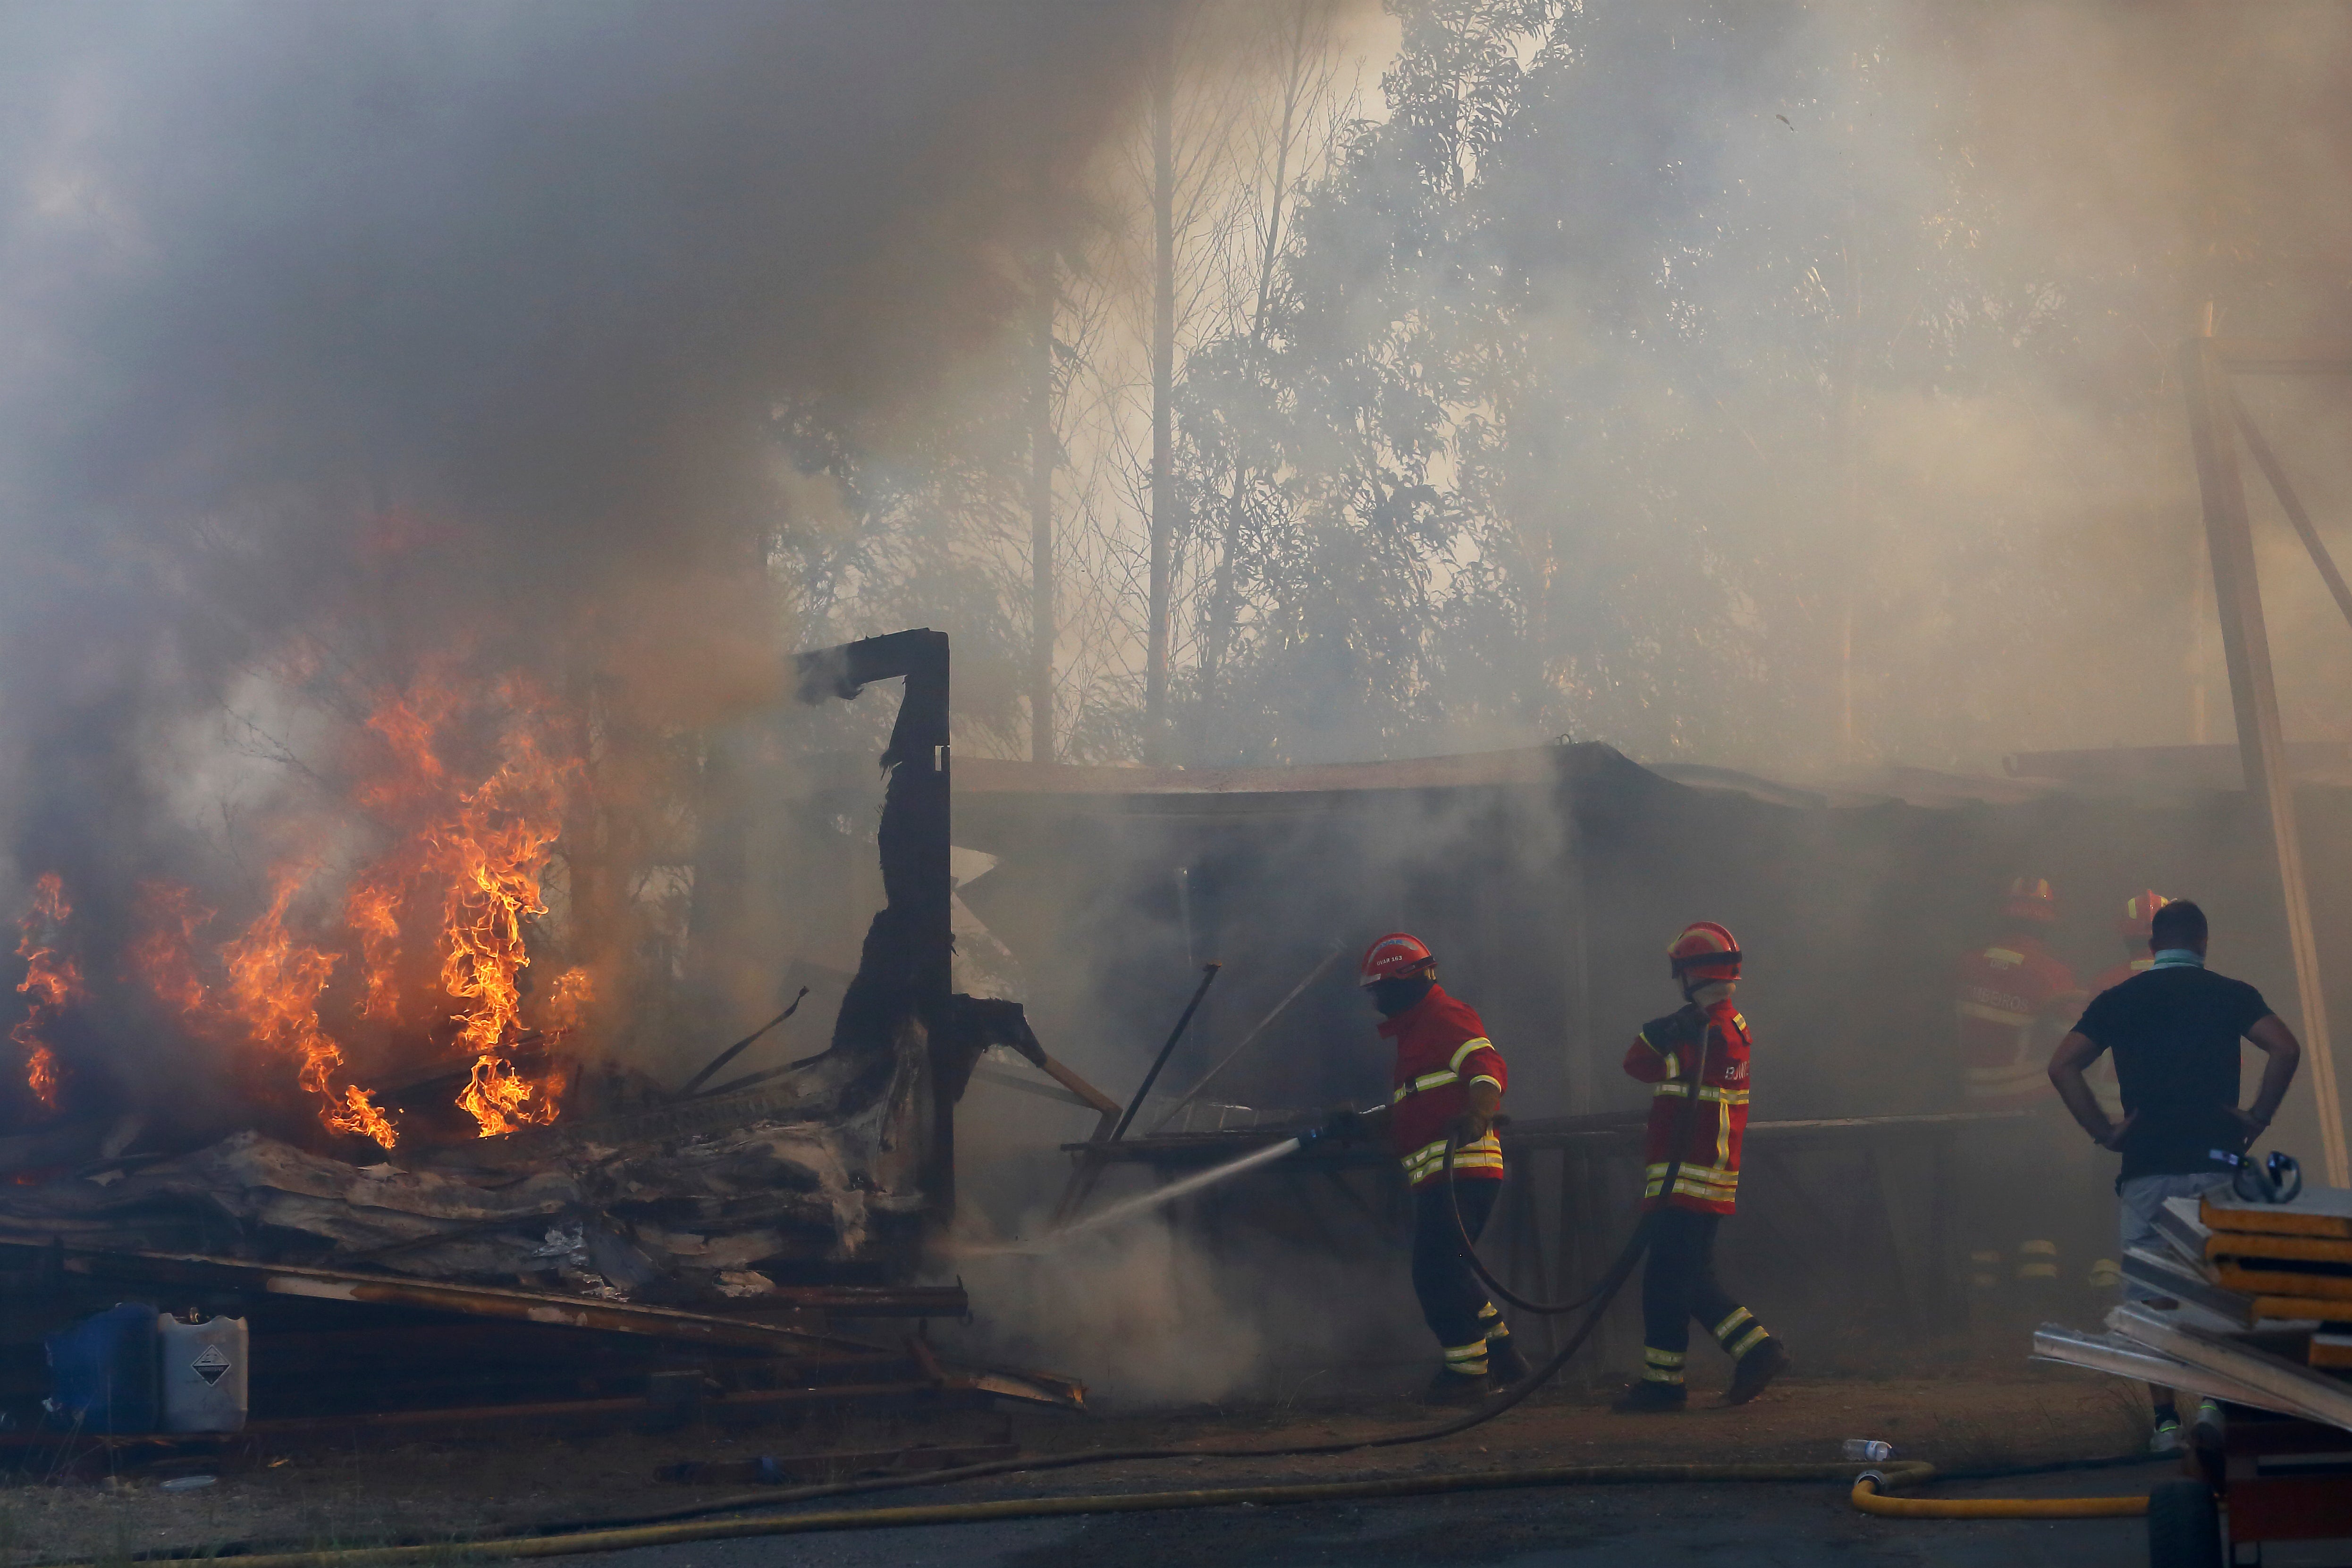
(464,792)
(406,1084)
(52,983)
(424,1132)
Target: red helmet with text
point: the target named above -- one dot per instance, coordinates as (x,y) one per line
(1394,956)
(2030,899)
(1704,951)
(2138,918)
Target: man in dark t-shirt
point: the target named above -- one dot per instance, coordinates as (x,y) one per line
(2174,1029)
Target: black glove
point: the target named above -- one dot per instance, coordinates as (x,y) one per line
(1343,1124)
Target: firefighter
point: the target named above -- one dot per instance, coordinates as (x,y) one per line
(1448,1083)
(2014,999)
(1697,1059)
(2135,925)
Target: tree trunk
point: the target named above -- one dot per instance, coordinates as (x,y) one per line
(1041,520)
(1163,384)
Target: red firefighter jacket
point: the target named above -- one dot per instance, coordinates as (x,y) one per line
(2003,997)
(1440,1049)
(1707,1049)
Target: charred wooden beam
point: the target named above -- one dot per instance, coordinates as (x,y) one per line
(471,1300)
(901,998)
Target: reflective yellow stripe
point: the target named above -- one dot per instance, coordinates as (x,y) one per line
(1425,1083)
(1993,1015)
(1738,1315)
(1486,1155)
(1748,1342)
(1693,1168)
(1656,1357)
(1482,1077)
(1475,1351)
(1714,1183)
(1480,1044)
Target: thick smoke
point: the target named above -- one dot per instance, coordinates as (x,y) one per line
(352,343)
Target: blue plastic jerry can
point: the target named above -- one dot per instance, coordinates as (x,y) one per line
(102,1372)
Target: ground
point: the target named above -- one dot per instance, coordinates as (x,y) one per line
(1978,1418)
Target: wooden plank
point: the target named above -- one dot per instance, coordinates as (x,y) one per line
(470,1301)
(2286,1281)
(2317,1211)
(2253,693)
(2301,1248)
(2292,504)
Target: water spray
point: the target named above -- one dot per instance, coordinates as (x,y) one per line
(1141,1205)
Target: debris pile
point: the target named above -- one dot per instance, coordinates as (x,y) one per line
(583,1254)
(2256,1308)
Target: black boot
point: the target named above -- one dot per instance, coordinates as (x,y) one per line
(1765,1359)
(1647,1397)
(1505,1367)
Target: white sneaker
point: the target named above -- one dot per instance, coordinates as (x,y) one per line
(2166,1439)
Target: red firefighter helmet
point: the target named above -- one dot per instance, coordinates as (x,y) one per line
(1704,951)
(2030,899)
(2138,918)
(1393,957)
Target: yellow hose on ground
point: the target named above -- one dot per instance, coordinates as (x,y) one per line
(1869,1499)
(630,1537)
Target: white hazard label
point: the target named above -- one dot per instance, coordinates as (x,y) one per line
(211,1362)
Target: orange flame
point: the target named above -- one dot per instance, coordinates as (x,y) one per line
(52,981)
(468,778)
(273,985)
(372,908)
(162,947)
(494,854)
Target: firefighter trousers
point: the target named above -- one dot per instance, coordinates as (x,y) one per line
(1679,1286)
(1453,1303)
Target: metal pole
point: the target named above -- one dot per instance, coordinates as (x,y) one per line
(2254,693)
(1208,976)
(1193,1093)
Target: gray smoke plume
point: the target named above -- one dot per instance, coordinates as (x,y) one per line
(342,340)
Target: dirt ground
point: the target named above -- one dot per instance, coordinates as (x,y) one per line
(1983,1417)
